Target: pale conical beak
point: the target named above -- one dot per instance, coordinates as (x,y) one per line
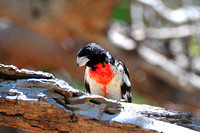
(81,61)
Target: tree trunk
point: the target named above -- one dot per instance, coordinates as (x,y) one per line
(37,102)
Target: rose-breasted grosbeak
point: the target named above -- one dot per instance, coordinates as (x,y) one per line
(104,75)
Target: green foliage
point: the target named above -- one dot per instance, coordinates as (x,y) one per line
(122,11)
(138,99)
(78,84)
(194,48)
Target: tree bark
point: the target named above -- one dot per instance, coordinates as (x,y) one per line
(37,102)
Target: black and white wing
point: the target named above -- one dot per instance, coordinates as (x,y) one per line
(126,85)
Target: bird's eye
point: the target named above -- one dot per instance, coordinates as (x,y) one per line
(87,52)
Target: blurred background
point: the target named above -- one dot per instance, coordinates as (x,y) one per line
(158,40)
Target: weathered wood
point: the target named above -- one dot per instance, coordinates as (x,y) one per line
(48,104)
(12,72)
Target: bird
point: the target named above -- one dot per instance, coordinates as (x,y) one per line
(104,75)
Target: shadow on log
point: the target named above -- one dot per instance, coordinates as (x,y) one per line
(37,102)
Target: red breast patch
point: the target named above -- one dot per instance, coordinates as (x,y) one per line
(103,74)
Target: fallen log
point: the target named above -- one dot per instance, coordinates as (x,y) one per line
(37,102)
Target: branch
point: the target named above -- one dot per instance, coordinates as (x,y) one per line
(179,16)
(173,32)
(117,34)
(47,104)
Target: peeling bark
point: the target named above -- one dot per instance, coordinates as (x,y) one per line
(42,103)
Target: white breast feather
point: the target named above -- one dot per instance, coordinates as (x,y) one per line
(113,88)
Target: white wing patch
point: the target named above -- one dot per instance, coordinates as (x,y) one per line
(125,77)
(108,55)
(120,68)
(126,80)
